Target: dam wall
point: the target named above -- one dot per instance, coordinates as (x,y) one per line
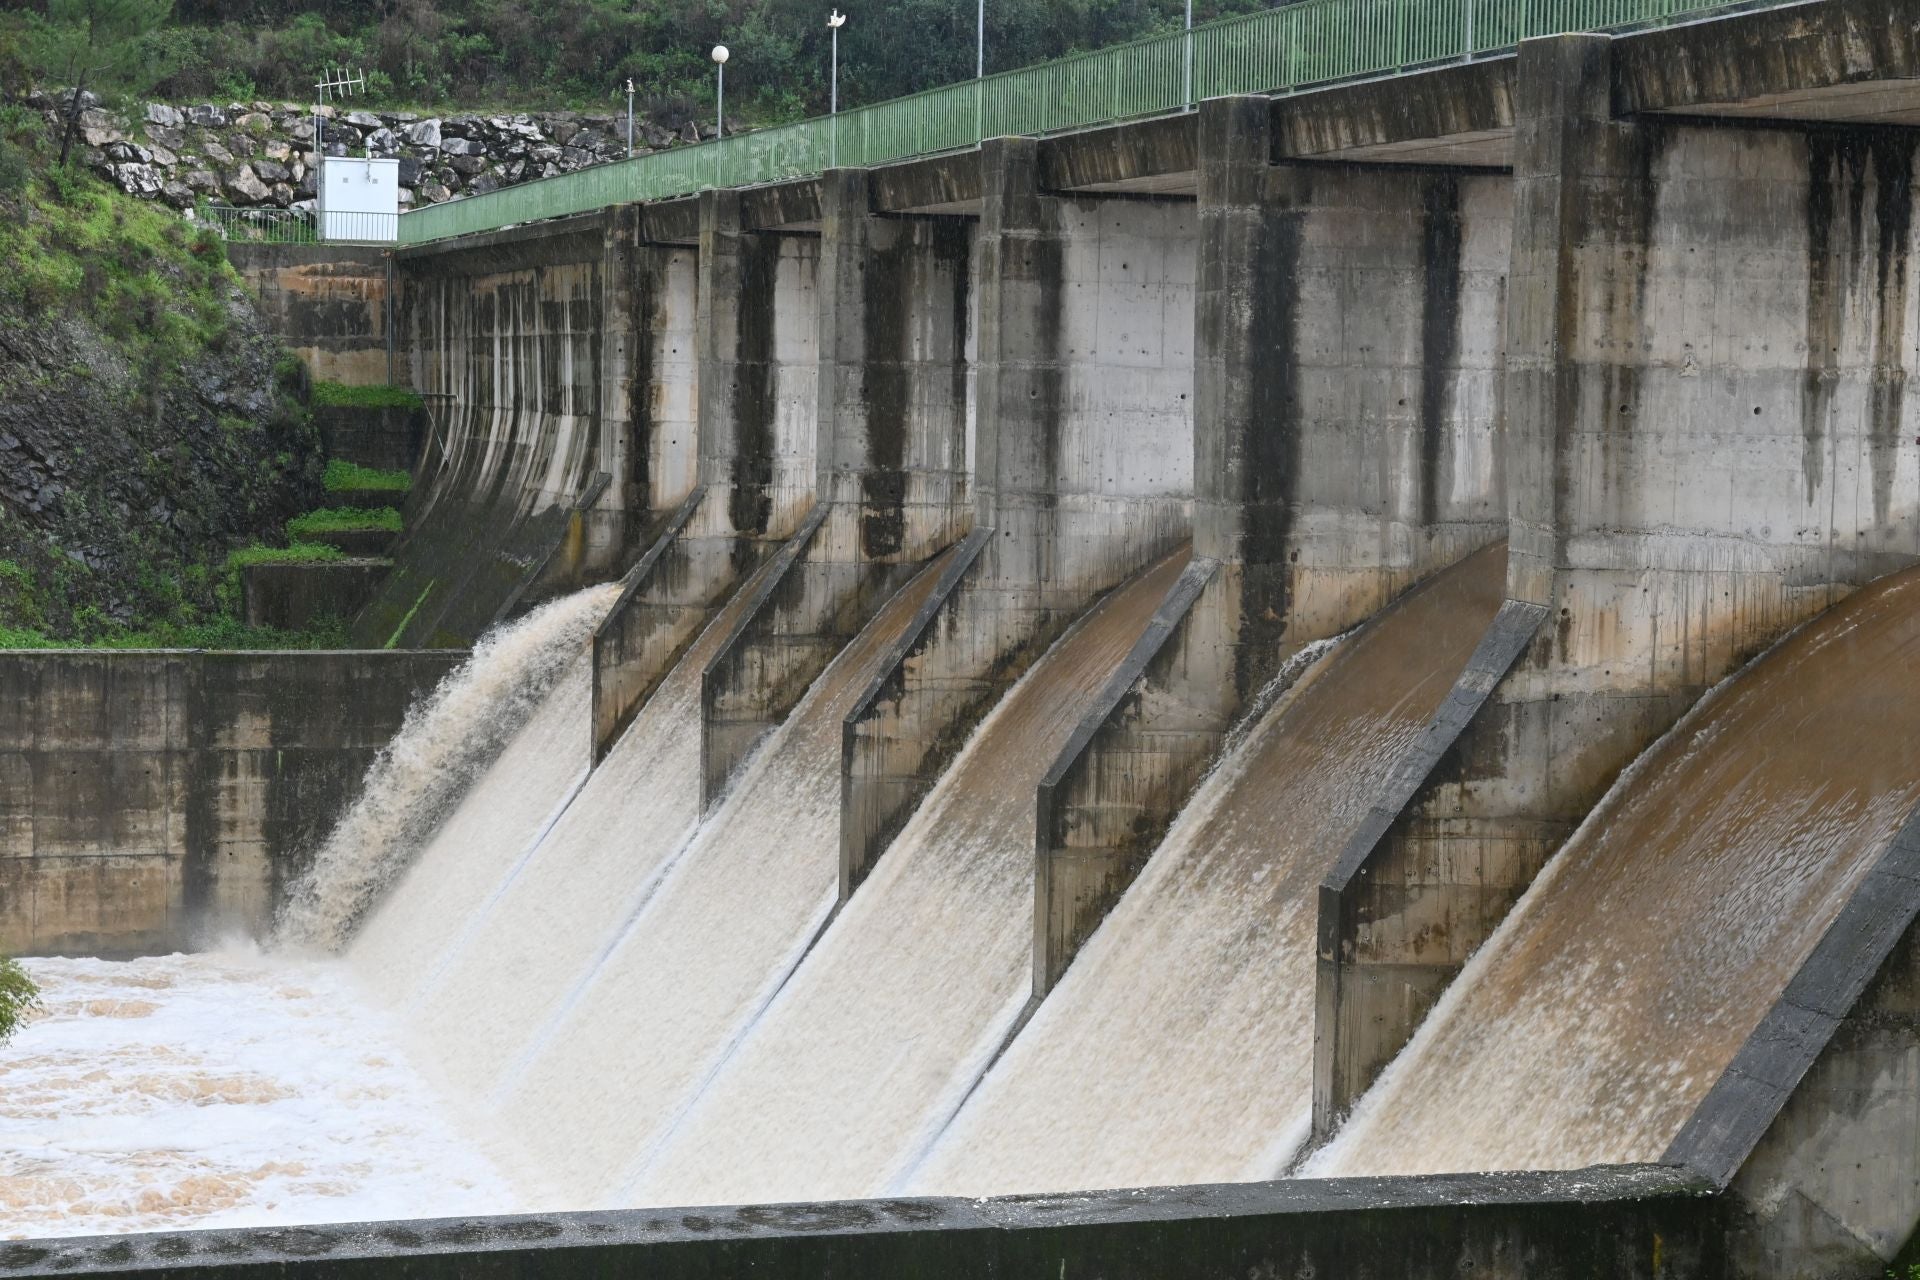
(1709,440)
(159,801)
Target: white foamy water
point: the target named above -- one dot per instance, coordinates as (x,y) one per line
(869,1047)
(1612,998)
(549,917)
(689,968)
(1178,1047)
(224,1089)
(445,744)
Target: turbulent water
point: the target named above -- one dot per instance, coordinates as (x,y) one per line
(1592,1024)
(223,1089)
(688,969)
(870,1046)
(1179,1046)
(548,917)
(444,745)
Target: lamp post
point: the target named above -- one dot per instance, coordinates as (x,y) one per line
(979,71)
(835,21)
(720,56)
(629,119)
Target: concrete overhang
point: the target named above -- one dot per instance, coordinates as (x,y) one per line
(577,238)
(671,221)
(1844,61)
(782,206)
(1159,156)
(1456,115)
(947,183)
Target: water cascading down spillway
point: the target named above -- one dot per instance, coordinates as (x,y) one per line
(1592,1024)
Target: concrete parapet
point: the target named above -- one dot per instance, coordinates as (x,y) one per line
(1624,1223)
(151,801)
(1708,442)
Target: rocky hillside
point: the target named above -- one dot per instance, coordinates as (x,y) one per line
(258,153)
(149,422)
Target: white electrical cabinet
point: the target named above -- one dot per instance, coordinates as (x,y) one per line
(359,199)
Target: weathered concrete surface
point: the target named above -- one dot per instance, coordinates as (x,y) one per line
(1629,1223)
(1082,461)
(1348,371)
(894,386)
(1708,440)
(331,304)
(153,800)
(295,596)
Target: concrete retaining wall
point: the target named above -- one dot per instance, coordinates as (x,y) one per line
(154,801)
(332,304)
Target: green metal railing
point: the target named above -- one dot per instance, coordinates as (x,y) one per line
(1314,42)
(267,226)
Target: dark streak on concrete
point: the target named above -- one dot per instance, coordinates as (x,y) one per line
(750,493)
(886,385)
(1439,331)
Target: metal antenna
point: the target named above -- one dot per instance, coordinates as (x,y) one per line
(335,82)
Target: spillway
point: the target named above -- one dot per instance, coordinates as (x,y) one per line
(430,769)
(1593,1022)
(873,1042)
(545,918)
(1178,1048)
(680,977)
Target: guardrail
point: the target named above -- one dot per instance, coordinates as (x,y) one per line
(267,226)
(1314,42)
(359,228)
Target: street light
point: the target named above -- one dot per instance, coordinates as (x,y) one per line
(629,119)
(835,21)
(720,56)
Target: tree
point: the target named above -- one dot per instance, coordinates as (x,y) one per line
(18,997)
(79,42)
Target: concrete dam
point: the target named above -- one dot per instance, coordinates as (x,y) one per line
(1326,684)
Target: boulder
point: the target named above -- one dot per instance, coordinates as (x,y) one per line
(272,171)
(207,116)
(241,145)
(469,165)
(282,194)
(434,193)
(177,194)
(544,155)
(275,149)
(101,137)
(217,153)
(204,181)
(462,147)
(384,140)
(364,120)
(409,171)
(137,179)
(424,134)
(128,153)
(162,156)
(245,188)
(159,113)
(484,183)
(562,130)
(575,158)
(254,122)
(171,139)
(301,131)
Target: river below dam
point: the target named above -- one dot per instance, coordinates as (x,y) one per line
(229,1088)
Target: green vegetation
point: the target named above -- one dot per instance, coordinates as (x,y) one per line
(350,477)
(305,530)
(18,997)
(579,53)
(338,395)
(221,633)
(83,43)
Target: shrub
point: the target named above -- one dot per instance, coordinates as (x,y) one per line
(19,996)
